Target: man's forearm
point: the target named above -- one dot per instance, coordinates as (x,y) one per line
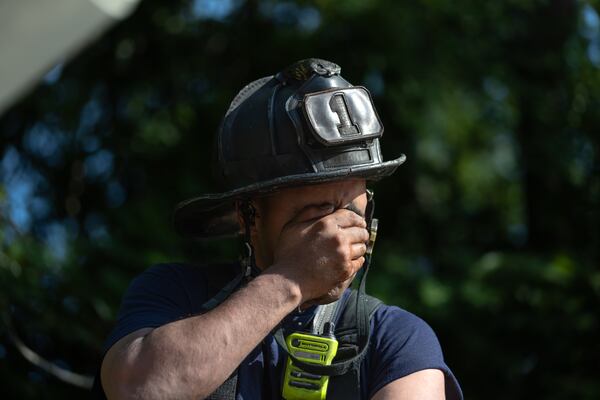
(318,251)
(191,357)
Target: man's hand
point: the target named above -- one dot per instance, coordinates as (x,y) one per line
(321,250)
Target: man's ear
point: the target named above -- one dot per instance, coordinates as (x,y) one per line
(240,218)
(245,206)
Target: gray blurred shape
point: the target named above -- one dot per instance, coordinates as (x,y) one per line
(35,35)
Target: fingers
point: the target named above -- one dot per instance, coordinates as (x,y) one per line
(356,235)
(346,218)
(358,263)
(358,250)
(312,213)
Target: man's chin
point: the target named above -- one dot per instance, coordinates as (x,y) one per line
(333,295)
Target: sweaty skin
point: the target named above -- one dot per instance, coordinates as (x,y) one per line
(309,245)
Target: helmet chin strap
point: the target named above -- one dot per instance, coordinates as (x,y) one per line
(372,223)
(248,262)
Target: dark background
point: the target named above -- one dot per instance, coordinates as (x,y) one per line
(490,231)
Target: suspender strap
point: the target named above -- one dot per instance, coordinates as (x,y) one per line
(223,293)
(327,313)
(363,334)
(348,386)
(345,387)
(227,390)
(249,270)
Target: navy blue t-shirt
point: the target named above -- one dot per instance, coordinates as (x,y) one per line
(401,343)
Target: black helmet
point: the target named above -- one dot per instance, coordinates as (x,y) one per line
(304,125)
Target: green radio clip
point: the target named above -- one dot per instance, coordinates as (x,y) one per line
(310,348)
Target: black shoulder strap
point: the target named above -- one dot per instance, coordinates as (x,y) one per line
(223,280)
(362,332)
(341,387)
(220,278)
(227,390)
(347,386)
(347,321)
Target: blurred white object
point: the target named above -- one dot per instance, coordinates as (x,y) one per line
(35,35)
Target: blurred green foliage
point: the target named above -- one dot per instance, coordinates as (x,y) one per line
(490,231)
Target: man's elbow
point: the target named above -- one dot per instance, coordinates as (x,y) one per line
(121,380)
(137,374)
(124,374)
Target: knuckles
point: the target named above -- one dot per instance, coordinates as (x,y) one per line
(339,241)
(331,251)
(341,252)
(348,271)
(366,235)
(326,224)
(363,248)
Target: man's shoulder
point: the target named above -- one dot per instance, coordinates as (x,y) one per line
(401,330)
(166,292)
(166,280)
(183,273)
(403,343)
(392,328)
(397,318)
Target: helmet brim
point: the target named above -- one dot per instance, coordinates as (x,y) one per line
(214,215)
